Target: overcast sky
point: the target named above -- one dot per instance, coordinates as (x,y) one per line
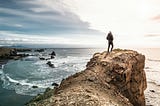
(134,23)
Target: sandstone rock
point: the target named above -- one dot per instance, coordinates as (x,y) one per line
(114,79)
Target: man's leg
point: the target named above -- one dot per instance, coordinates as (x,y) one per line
(108,46)
(112,46)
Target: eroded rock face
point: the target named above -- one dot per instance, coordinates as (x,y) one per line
(116,79)
(124,69)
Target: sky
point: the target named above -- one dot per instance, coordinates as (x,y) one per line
(80,23)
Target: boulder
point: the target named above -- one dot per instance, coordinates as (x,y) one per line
(50,64)
(53,54)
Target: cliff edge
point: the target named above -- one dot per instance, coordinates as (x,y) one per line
(113,79)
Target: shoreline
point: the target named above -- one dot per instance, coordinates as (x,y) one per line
(11,98)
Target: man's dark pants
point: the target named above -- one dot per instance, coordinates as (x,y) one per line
(110,43)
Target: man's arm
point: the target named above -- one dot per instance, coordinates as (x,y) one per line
(107,37)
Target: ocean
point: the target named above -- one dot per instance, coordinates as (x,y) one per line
(21,75)
(152,64)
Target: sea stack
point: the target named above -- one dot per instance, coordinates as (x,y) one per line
(110,79)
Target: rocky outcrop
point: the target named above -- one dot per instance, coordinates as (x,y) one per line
(53,54)
(113,79)
(9,53)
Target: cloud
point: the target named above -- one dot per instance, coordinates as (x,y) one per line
(41,17)
(11,38)
(14,38)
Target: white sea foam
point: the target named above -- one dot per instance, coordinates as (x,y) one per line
(1,71)
(153,71)
(25,87)
(69,60)
(11,80)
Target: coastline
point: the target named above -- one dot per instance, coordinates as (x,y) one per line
(11,98)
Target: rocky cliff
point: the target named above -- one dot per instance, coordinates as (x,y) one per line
(113,79)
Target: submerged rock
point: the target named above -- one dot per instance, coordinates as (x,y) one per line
(34,86)
(18,84)
(42,58)
(116,79)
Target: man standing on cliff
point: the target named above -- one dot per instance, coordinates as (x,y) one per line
(110,40)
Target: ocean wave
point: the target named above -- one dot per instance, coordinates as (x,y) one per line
(69,60)
(30,58)
(25,87)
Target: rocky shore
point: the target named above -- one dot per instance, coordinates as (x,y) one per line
(12,53)
(110,79)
